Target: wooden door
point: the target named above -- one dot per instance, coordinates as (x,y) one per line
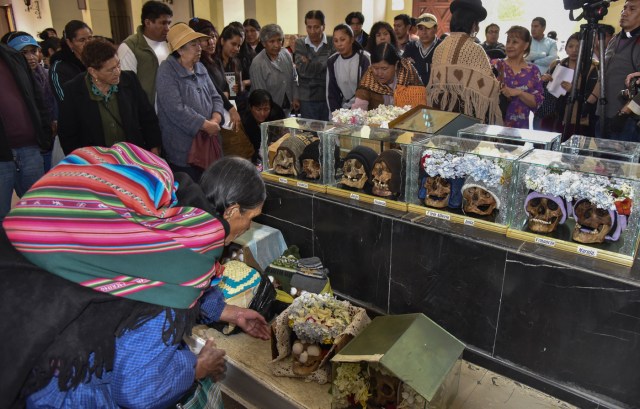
(439,8)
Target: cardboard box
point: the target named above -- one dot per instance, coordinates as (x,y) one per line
(400,358)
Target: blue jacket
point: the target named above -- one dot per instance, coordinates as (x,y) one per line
(184,100)
(144,369)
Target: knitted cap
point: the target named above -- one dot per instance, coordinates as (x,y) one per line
(311,151)
(364,155)
(393,159)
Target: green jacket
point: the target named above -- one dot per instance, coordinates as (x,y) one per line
(147,63)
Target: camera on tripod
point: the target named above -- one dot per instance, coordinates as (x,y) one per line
(576,4)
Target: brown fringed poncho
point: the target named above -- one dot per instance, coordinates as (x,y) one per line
(462,80)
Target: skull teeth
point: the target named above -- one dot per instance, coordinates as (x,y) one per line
(541,221)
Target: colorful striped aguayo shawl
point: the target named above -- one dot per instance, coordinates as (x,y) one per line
(105,219)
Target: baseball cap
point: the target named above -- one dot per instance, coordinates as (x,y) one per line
(426,19)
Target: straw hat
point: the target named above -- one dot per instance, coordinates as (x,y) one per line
(180,34)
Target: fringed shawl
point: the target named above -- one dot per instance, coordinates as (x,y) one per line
(462,80)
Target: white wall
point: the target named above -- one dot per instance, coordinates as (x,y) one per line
(28,21)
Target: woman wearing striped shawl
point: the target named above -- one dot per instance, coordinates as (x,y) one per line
(107,262)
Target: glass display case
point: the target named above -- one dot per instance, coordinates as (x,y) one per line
(432,121)
(368,164)
(513,136)
(462,180)
(581,204)
(602,148)
(292,152)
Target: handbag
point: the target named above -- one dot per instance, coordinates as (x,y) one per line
(413,95)
(205,149)
(549,105)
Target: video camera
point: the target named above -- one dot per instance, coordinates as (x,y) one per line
(576,4)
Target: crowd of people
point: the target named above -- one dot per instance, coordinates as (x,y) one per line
(109,106)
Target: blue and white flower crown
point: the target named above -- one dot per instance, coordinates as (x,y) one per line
(457,165)
(600,190)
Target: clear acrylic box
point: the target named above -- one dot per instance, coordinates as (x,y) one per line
(463,181)
(582,204)
(368,164)
(292,152)
(513,136)
(602,148)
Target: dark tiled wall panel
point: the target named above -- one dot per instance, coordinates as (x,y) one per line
(570,332)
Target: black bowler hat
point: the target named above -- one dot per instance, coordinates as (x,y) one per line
(473,5)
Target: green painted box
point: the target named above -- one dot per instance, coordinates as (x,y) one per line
(398,361)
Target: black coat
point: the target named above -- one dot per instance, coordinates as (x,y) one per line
(25,80)
(80,123)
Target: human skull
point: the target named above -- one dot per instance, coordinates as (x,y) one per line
(311,168)
(478,201)
(544,215)
(438,191)
(306,357)
(592,223)
(381,179)
(284,163)
(354,174)
(386,390)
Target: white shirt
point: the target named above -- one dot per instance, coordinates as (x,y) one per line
(128,59)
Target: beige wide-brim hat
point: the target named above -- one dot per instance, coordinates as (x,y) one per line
(180,34)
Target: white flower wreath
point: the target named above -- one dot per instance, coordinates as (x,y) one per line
(600,190)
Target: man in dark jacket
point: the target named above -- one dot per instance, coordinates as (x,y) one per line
(355,19)
(24,128)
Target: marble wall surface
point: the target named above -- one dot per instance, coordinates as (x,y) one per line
(572,332)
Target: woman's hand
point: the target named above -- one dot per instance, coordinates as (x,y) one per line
(234,119)
(211,127)
(546,77)
(210,362)
(510,92)
(566,85)
(250,321)
(630,77)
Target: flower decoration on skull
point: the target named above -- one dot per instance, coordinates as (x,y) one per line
(318,318)
(601,204)
(444,173)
